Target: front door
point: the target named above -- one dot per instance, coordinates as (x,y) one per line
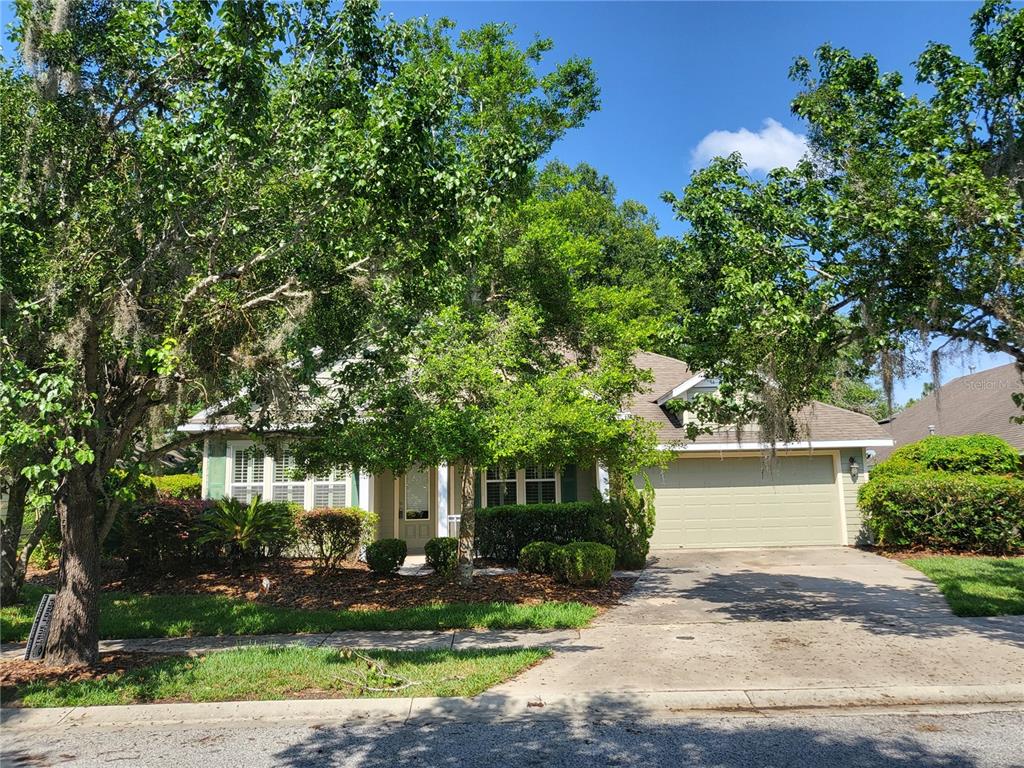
(415,512)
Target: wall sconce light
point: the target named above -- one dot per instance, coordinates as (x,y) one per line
(854,469)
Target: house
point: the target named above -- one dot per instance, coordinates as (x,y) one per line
(973,404)
(717,491)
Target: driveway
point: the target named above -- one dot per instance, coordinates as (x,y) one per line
(780,619)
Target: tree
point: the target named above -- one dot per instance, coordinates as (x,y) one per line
(906,221)
(37,445)
(527,360)
(850,386)
(195,190)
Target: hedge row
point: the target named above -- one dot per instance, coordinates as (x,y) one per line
(945,510)
(180,486)
(170,533)
(972,454)
(502,532)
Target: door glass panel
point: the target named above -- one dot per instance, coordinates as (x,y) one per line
(417,495)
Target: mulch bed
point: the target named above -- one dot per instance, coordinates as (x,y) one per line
(296,584)
(912,554)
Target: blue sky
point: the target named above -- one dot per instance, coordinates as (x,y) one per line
(673,74)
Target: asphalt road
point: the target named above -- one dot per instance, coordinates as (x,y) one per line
(819,741)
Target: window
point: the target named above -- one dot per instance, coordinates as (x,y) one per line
(541,485)
(501,486)
(247,474)
(416,504)
(330,489)
(286,487)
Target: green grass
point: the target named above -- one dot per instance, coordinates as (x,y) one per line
(262,673)
(125,615)
(977,586)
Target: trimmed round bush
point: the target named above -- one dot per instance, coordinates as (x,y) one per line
(386,555)
(945,510)
(583,564)
(535,557)
(973,454)
(896,465)
(333,534)
(443,555)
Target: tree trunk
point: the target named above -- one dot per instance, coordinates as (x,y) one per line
(467,526)
(74,628)
(11,575)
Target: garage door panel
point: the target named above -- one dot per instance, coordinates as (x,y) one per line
(736,502)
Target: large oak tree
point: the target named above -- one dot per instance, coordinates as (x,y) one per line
(193,189)
(903,228)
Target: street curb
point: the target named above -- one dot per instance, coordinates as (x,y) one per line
(497,707)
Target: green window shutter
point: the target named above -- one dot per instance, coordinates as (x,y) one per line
(569,483)
(476,490)
(216,468)
(353,496)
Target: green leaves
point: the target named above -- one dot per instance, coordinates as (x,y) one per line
(904,227)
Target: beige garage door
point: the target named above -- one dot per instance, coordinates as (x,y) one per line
(738,502)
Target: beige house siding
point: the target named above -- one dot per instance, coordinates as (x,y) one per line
(856,533)
(586,483)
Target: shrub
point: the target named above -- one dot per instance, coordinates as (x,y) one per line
(979,513)
(583,564)
(626,526)
(502,532)
(443,555)
(896,465)
(161,534)
(974,454)
(181,486)
(535,557)
(47,551)
(247,532)
(386,555)
(335,534)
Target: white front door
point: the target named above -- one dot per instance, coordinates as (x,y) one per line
(415,510)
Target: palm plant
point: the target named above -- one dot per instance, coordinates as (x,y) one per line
(247,532)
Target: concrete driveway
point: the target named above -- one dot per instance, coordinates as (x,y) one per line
(766,619)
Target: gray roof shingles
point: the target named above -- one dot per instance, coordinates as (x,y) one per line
(977,403)
(817,421)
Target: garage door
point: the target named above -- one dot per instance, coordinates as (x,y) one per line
(738,502)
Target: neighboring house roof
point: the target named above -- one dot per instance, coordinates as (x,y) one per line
(977,403)
(821,425)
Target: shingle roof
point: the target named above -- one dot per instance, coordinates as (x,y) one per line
(978,403)
(817,421)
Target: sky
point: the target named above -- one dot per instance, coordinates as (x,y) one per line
(682,82)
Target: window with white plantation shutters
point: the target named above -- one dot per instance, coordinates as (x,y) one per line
(286,487)
(247,474)
(330,489)
(501,486)
(540,485)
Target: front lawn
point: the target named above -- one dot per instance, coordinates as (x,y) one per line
(124,615)
(977,586)
(264,673)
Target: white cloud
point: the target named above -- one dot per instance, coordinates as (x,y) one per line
(773,146)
